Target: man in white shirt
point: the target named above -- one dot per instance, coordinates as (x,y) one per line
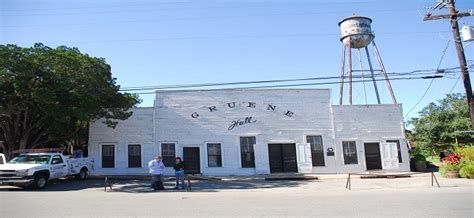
(156,167)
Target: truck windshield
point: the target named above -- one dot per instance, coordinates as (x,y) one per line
(31,159)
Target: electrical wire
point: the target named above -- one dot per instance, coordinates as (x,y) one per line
(447,71)
(221,37)
(431,82)
(454,86)
(191,8)
(187,18)
(290,85)
(187,2)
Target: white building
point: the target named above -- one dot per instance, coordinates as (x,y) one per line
(253,131)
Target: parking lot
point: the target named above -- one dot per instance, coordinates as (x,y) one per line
(406,197)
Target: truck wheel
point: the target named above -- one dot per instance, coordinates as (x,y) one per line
(40,182)
(82,174)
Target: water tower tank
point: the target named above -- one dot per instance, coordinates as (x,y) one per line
(357,31)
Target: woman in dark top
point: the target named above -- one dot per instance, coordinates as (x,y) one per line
(179,173)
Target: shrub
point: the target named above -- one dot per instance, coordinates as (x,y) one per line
(443,169)
(417,155)
(450,163)
(466,152)
(467,168)
(452,159)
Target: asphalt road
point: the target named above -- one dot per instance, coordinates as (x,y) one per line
(408,197)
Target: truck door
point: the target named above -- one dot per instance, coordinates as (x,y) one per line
(58,168)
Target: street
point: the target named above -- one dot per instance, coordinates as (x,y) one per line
(404,197)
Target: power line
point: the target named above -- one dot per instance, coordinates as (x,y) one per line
(431,82)
(101,6)
(293,85)
(182,9)
(444,53)
(454,86)
(447,71)
(221,37)
(187,2)
(198,18)
(426,91)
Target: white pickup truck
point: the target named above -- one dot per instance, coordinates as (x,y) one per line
(35,169)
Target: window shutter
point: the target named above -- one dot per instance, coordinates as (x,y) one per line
(389,155)
(304,158)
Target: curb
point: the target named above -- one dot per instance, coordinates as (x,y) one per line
(292,178)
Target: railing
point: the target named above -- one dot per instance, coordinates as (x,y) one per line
(389,176)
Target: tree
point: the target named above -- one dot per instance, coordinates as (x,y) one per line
(50,95)
(439,125)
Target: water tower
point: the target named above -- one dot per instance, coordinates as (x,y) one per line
(356,33)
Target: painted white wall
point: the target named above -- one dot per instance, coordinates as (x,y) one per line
(174,109)
(368,123)
(138,129)
(171,120)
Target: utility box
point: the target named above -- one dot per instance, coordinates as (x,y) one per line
(467,33)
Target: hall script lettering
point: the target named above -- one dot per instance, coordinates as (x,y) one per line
(236,123)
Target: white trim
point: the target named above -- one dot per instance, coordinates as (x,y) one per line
(357,141)
(333,134)
(207,154)
(283,141)
(154,124)
(141,155)
(115,154)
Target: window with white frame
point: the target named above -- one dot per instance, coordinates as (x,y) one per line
(168,154)
(349,149)
(134,156)
(247,154)
(108,156)
(214,155)
(317,152)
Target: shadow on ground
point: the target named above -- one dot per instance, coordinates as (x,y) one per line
(143,186)
(68,184)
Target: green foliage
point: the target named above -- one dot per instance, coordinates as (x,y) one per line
(467,161)
(439,125)
(466,152)
(444,168)
(466,169)
(49,95)
(417,155)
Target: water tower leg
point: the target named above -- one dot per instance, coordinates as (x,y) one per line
(350,70)
(362,74)
(373,76)
(384,72)
(341,86)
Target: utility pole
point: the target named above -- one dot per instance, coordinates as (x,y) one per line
(453,16)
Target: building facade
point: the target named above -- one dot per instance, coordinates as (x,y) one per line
(253,131)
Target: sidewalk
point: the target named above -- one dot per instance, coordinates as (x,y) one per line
(278,176)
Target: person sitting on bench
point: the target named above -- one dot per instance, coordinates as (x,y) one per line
(156,167)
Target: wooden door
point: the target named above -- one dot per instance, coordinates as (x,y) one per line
(282,158)
(192,161)
(372,156)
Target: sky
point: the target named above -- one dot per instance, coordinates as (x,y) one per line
(173,42)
